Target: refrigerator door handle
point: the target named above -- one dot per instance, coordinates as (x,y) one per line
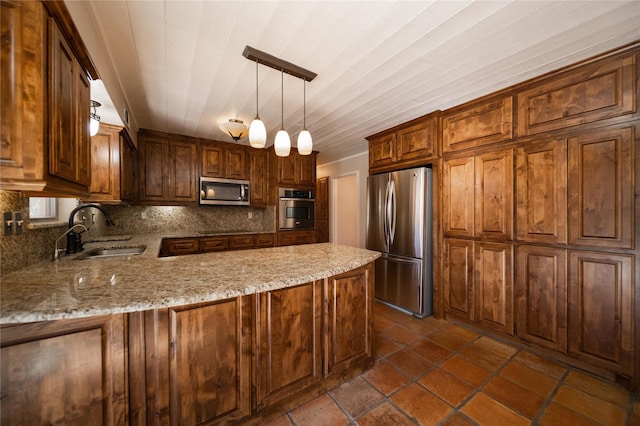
(392,211)
(385,221)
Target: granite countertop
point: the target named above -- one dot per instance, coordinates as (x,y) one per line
(71,288)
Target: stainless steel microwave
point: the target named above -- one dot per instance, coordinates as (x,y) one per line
(229,192)
(296,209)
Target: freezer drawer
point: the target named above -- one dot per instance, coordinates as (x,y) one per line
(400,282)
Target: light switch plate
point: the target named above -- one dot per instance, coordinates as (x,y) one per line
(7,223)
(17,223)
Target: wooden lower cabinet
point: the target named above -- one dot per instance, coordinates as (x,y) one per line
(541,296)
(288,328)
(197,363)
(601,309)
(179,246)
(458,277)
(70,372)
(291,238)
(494,286)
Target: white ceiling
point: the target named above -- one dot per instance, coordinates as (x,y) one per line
(379,63)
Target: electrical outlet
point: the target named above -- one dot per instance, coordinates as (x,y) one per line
(17,223)
(143,215)
(7,223)
(250,215)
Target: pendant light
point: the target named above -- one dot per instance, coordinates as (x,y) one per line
(94,120)
(282,143)
(257,131)
(305,143)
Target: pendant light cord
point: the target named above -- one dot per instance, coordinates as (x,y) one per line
(257,89)
(304,104)
(282,99)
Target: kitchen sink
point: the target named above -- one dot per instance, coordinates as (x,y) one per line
(102,253)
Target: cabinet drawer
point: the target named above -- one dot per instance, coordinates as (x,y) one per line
(472,126)
(241,241)
(590,93)
(177,246)
(208,244)
(264,240)
(289,238)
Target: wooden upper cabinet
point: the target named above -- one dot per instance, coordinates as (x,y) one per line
(198,363)
(601,188)
(258,177)
(541,296)
(494,195)
(410,144)
(458,195)
(168,169)
(589,93)
(542,192)
(458,261)
(44,101)
(288,341)
(494,286)
(293,170)
(64,372)
(223,160)
(128,169)
(601,310)
(473,125)
(307,170)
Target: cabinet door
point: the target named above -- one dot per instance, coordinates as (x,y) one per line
(322,231)
(601,309)
(212,160)
(382,151)
(458,197)
(306,169)
(68,372)
(236,163)
(105,164)
(258,180)
(182,172)
(198,363)
(350,320)
(473,125)
(128,168)
(265,240)
(289,344)
(601,188)
(593,92)
(82,102)
(458,278)
(322,198)
(542,192)
(154,157)
(494,286)
(541,296)
(494,195)
(417,141)
(287,170)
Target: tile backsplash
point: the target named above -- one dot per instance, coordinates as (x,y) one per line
(36,245)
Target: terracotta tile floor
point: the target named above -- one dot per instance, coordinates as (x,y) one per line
(432,372)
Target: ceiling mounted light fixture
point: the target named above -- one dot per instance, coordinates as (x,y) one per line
(94,120)
(257,131)
(235,128)
(305,143)
(282,143)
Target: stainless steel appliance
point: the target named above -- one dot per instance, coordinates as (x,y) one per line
(224,191)
(399,226)
(296,208)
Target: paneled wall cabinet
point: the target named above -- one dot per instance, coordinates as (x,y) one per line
(539,220)
(45,101)
(295,170)
(224,160)
(322,210)
(114,166)
(408,145)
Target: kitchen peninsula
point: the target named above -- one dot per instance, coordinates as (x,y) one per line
(207,337)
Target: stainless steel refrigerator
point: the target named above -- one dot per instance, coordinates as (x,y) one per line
(399,226)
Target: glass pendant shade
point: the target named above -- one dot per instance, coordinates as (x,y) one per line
(94,125)
(282,143)
(257,133)
(305,143)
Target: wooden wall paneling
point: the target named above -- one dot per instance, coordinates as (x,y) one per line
(541,296)
(494,286)
(601,188)
(494,195)
(589,93)
(601,310)
(474,125)
(458,197)
(541,188)
(458,262)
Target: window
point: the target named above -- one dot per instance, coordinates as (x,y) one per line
(43,208)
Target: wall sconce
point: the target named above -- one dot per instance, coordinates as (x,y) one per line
(94,120)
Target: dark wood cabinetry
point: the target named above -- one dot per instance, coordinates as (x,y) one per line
(322,210)
(64,372)
(289,341)
(45,101)
(258,177)
(224,160)
(493,286)
(411,144)
(458,260)
(168,171)
(291,238)
(114,166)
(182,246)
(193,245)
(295,170)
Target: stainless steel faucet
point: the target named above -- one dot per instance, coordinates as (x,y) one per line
(56,252)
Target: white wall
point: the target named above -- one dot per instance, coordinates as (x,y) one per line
(357,165)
